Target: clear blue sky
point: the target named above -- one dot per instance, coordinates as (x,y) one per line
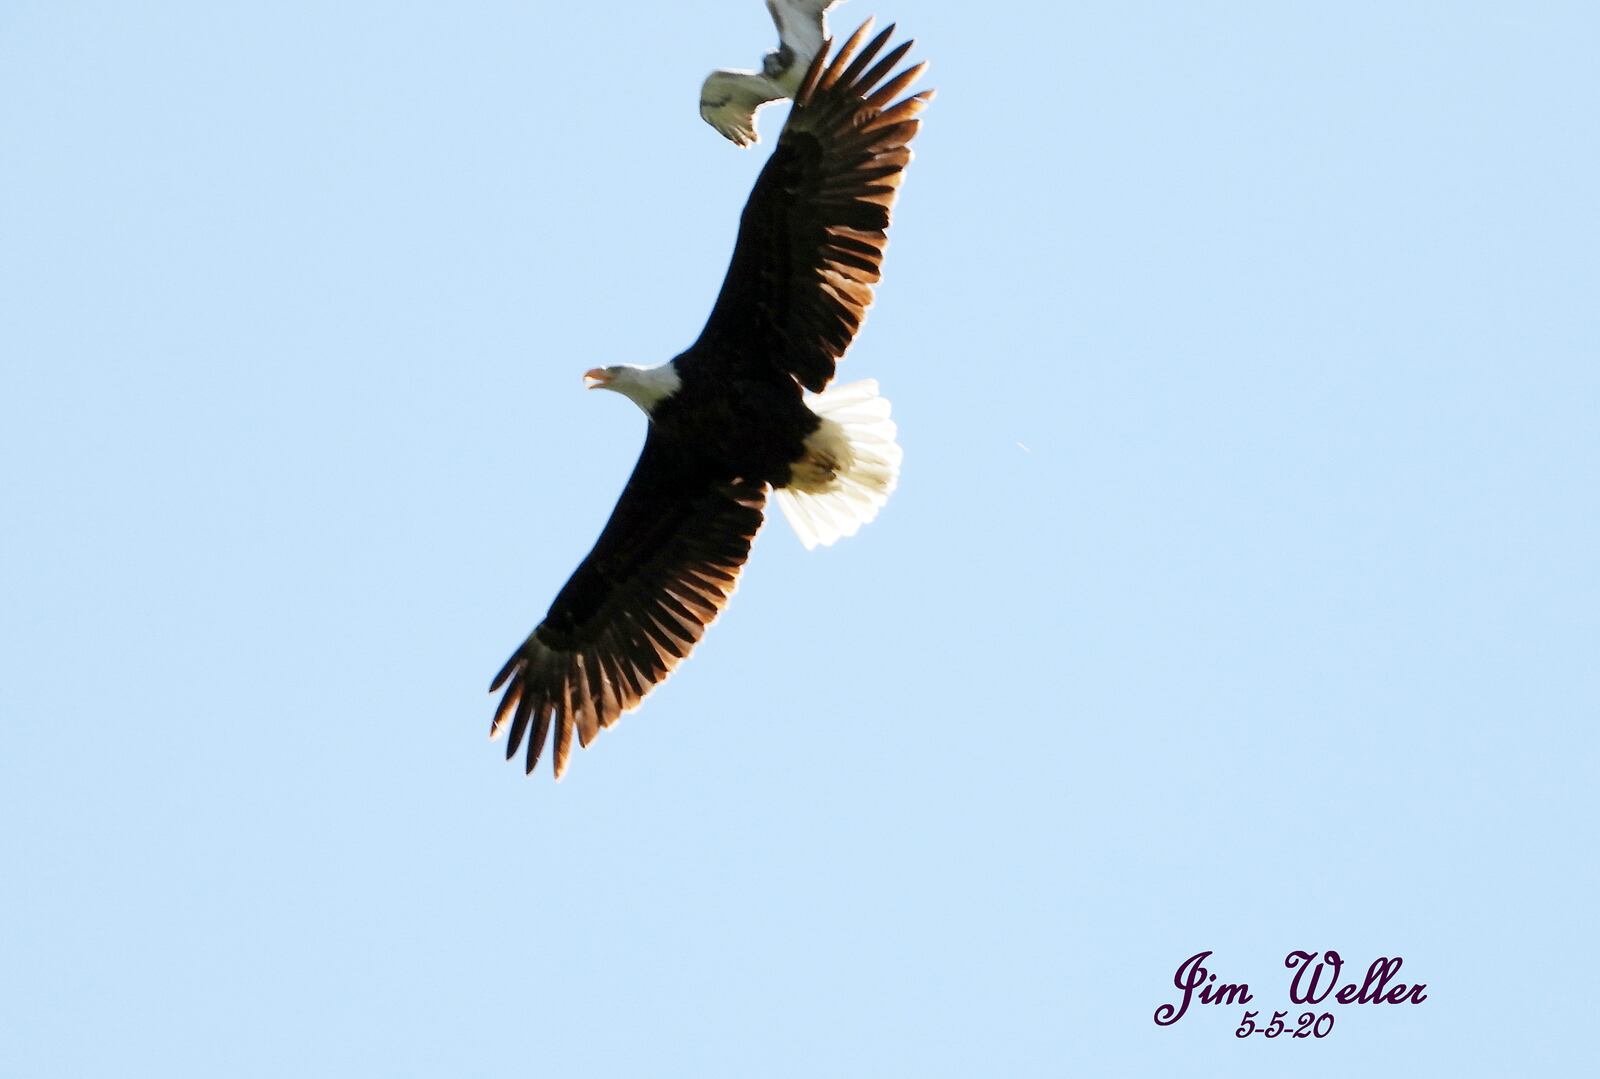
(1240,593)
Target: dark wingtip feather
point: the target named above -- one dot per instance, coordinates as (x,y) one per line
(562,750)
(508,704)
(884,66)
(819,62)
(859,64)
(526,703)
(541,730)
(842,58)
(505,672)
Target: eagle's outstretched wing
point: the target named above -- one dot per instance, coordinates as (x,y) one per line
(813,233)
(660,573)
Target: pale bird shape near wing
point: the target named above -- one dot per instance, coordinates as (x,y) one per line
(729,99)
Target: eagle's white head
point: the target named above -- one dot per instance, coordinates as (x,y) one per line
(646,387)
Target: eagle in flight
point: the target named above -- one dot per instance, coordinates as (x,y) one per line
(745,411)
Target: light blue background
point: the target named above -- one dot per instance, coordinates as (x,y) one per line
(1240,593)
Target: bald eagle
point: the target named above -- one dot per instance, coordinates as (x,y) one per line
(729,99)
(745,410)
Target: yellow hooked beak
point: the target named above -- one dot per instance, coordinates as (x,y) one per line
(596,378)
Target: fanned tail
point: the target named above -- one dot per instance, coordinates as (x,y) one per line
(850,468)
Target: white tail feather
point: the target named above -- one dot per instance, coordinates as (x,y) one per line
(851,465)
